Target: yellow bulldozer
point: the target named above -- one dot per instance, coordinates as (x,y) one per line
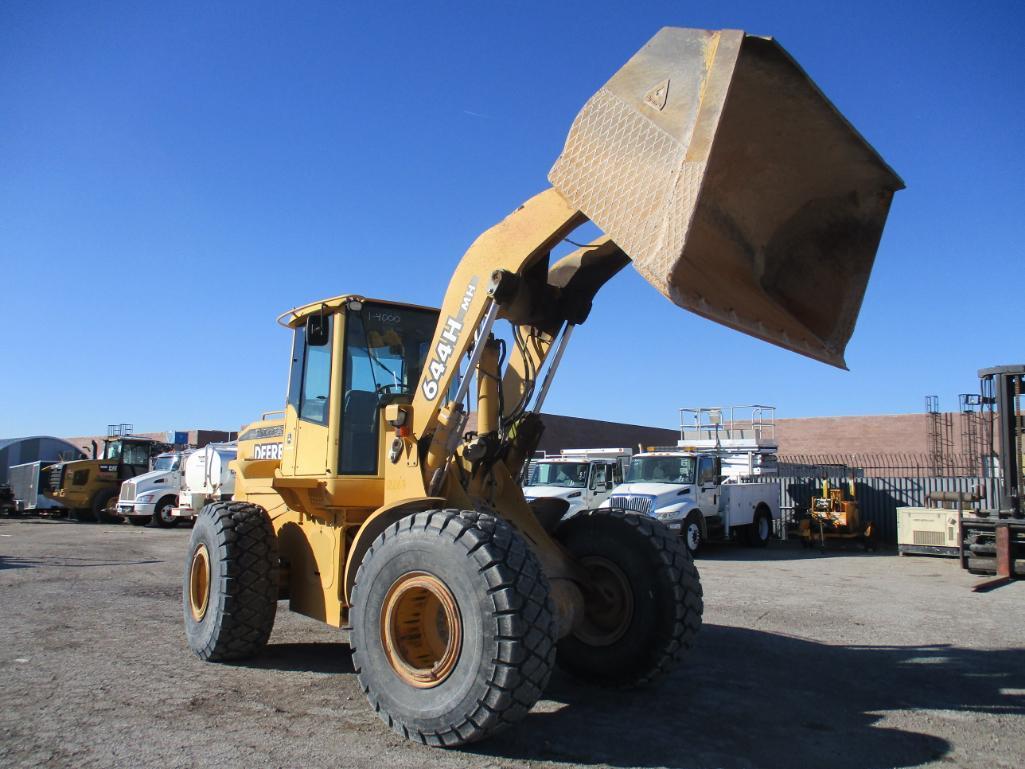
(714,164)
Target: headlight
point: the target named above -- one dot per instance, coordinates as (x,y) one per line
(144,498)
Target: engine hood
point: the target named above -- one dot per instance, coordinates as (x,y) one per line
(559,492)
(149,480)
(650,489)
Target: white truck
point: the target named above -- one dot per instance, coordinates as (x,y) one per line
(582,477)
(206,477)
(151,496)
(717,484)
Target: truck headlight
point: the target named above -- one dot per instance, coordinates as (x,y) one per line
(144,498)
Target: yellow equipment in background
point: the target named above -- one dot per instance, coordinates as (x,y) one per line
(713,163)
(833,516)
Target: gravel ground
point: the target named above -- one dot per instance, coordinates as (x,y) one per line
(845,660)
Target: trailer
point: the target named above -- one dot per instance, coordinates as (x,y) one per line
(29,483)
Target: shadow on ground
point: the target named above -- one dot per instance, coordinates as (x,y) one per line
(791,550)
(746,698)
(322,657)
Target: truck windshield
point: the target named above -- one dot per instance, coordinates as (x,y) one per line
(661,470)
(569,474)
(166,463)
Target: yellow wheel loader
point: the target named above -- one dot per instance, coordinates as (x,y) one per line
(88,488)
(713,163)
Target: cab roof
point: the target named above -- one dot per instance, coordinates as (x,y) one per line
(292,318)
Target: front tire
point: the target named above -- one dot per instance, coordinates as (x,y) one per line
(692,533)
(453,630)
(230,586)
(104,506)
(162,516)
(644,605)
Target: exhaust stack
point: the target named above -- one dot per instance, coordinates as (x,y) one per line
(735,186)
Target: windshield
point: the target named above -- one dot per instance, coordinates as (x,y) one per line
(166,463)
(387,347)
(569,474)
(128,453)
(661,470)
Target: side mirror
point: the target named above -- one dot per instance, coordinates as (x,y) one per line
(318,330)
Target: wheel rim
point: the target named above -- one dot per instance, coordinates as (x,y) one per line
(421,630)
(165,514)
(763,528)
(693,536)
(610,604)
(199,583)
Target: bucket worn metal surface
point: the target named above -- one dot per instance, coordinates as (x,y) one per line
(734,185)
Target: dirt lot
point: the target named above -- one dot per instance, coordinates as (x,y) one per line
(846,660)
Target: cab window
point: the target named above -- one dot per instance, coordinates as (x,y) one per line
(706,470)
(309,381)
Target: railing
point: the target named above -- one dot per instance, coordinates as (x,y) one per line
(728,422)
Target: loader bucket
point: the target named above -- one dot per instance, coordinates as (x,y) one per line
(735,186)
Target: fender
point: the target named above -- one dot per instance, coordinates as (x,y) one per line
(378,521)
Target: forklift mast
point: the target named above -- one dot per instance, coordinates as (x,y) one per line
(1001,390)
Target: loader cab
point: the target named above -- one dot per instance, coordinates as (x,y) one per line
(132,457)
(350,357)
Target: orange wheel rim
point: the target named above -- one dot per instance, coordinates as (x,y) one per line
(199,583)
(421,630)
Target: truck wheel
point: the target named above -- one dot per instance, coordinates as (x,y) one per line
(104,507)
(645,606)
(691,533)
(82,515)
(759,531)
(230,588)
(162,513)
(453,630)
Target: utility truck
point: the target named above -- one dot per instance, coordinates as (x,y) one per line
(206,476)
(715,164)
(152,496)
(717,483)
(581,477)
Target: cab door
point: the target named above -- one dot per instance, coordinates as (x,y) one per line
(307,441)
(707,494)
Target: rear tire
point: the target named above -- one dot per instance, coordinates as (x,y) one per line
(230,587)
(482,644)
(645,605)
(759,532)
(162,513)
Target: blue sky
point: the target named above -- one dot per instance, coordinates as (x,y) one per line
(174,175)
